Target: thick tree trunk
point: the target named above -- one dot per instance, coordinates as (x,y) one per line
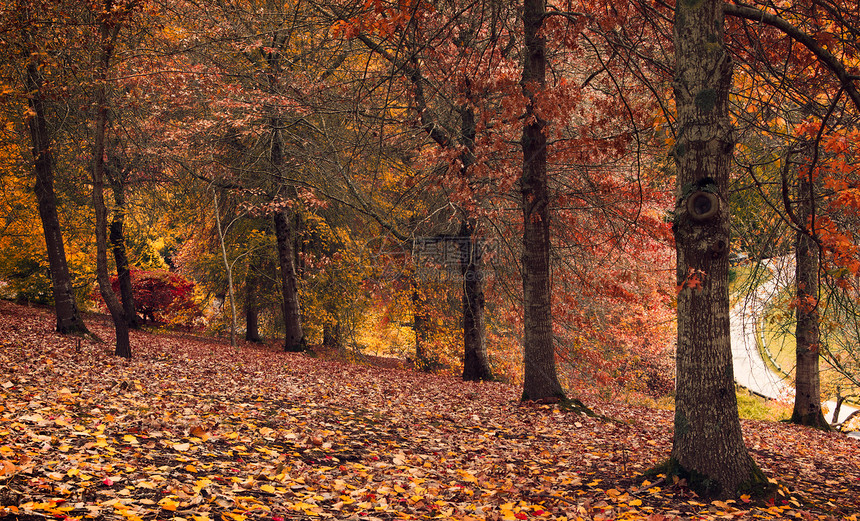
(117,239)
(540,378)
(123,347)
(252,311)
(708,448)
(68,317)
(476,365)
(294,339)
(807,397)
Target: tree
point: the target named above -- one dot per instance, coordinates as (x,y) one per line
(228,268)
(68,316)
(806,87)
(117,176)
(160,295)
(476,366)
(807,402)
(294,338)
(540,377)
(110,22)
(404,58)
(252,283)
(708,446)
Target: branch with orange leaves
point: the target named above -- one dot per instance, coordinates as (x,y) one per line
(824,56)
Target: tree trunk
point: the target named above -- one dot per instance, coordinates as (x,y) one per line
(476,366)
(419,327)
(331,336)
(294,339)
(117,239)
(252,311)
(807,396)
(229,270)
(107,34)
(66,308)
(540,379)
(708,448)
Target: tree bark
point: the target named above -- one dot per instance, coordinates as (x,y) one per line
(807,385)
(108,32)
(294,339)
(229,270)
(476,365)
(418,324)
(252,311)
(66,308)
(708,448)
(117,239)
(540,379)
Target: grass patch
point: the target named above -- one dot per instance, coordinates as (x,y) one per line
(753,407)
(750,406)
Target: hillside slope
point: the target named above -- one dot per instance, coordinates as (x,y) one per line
(192,429)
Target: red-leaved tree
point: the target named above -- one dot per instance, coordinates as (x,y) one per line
(162,296)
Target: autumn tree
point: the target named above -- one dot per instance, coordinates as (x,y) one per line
(31,59)
(395,34)
(110,18)
(708,445)
(540,378)
(816,102)
(470,123)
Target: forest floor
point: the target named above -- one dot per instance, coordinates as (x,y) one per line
(193,429)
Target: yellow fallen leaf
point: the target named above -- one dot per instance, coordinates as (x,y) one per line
(268,488)
(168,504)
(190,468)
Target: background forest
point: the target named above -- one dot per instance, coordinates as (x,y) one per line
(378,141)
(497,191)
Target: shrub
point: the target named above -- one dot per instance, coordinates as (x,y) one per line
(162,296)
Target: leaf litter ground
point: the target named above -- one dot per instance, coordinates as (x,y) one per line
(193,429)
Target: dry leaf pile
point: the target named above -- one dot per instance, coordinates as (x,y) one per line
(196,430)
